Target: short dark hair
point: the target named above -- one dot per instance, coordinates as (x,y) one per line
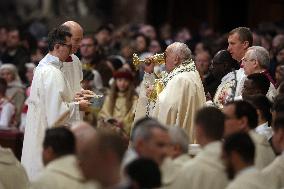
(3,86)
(57,36)
(95,41)
(278,105)
(109,139)
(147,39)
(279,122)
(245,109)
(242,144)
(245,34)
(107,27)
(224,56)
(262,104)
(260,81)
(145,172)
(88,75)
(60,139)
(212,120)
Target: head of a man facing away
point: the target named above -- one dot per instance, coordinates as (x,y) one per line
(58,142)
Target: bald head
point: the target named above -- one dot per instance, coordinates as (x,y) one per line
(82,132)
(77,34)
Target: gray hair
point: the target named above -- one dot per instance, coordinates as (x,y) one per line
(178,136)
(181,50)
(143,128)
(261,55)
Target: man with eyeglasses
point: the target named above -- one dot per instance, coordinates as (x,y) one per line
(256,60)
(51,101)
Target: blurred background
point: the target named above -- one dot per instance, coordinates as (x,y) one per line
(221,15)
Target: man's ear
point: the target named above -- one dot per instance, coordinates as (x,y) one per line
(139,145)
(244,123)
(56,46)
(246,44)
(49,151)
(177,60)
(282,134)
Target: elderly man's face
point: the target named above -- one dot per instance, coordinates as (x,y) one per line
(172,59)
(157,147)
(77,36)
(250,64)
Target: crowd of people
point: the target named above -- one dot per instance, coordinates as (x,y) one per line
(222,93)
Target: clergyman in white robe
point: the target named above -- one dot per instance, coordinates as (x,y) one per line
(178,102)
(71,70)
(50,102)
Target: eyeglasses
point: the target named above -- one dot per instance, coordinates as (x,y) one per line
(245,60)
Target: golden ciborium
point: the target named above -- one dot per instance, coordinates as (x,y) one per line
(157,89)
(158,59)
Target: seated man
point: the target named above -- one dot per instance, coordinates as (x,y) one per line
(241,116)
(149,139)
(256,83)
(206,170)
(263,106)
(238,154)
(12,173)
(100,158)
(59,158)
(144,173)
(178,155)
(256,60)
(276,169)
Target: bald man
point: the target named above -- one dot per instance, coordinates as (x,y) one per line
(53,101)
(82,132)
(72,68)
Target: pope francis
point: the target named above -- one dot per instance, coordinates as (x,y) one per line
(179,91)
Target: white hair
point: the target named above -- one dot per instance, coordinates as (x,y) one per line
(13,69)
(181,50)
(260,54)
(178,136)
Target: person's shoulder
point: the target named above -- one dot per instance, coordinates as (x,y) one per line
(45,180)
(8,104)
(75,58)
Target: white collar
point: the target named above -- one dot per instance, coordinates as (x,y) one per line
(48,59)
(262,127)
(246,170)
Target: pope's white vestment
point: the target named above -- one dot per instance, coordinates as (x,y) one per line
(183,95)
(51,98)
